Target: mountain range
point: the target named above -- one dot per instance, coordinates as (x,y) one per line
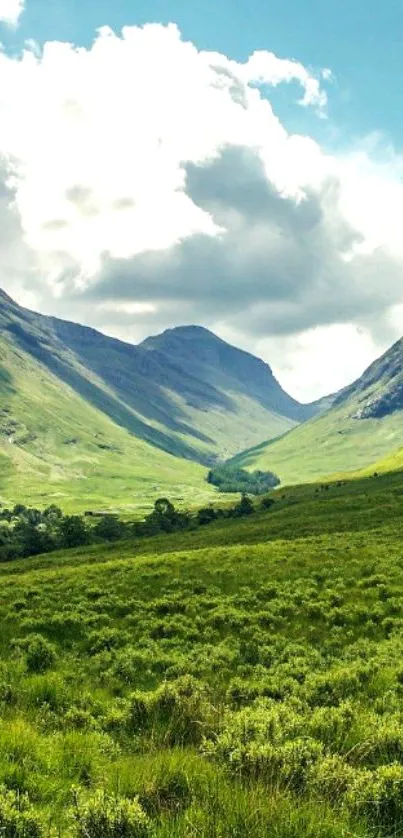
(78,405)
(130,422)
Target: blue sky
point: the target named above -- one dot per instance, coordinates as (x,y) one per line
(146,182)
(361,42)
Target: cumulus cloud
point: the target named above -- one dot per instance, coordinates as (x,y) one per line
(150,184)
(11,11)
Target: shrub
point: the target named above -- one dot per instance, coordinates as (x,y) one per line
(40,655)
(178,713)
(101,816)
(17,819)
(267,503)
(170,794)
(331,777)
(105,639)
(378,795)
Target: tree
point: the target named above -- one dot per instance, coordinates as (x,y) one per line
(164,518)
(164,507)
(206,515)
(267,503)
(53,513)
(32,539)
(72,531)
(19,509)
(244,507)
(109,527)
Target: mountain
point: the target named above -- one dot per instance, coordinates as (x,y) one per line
(185,391)
(226,368)
(56,447)
(361,431)
(76,404)
(379,391)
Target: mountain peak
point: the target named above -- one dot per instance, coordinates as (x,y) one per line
(188,332)
(210,358)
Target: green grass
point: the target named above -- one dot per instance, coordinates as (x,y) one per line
(334,443)
(244,679)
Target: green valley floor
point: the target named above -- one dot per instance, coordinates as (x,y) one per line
(242,680)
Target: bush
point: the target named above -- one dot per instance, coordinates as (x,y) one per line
(331,777)
(170,794)
(378,795)
(72,531)
(267,503)
(40,655)
(178,713)
(101,816)
(17,819)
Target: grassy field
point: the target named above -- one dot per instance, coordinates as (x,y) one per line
(244,679)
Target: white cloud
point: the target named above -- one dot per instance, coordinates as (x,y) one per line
(99,137)
(11,11)
(334,354)
(154,181)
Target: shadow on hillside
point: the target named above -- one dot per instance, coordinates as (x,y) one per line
(98,398)
(6,385)
(142,378)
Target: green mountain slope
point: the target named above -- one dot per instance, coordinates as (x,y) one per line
(56,447)
(363,429)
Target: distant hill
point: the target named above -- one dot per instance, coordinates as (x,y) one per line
(361,430)
(184,393)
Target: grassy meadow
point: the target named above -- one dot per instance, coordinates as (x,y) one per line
(242,679)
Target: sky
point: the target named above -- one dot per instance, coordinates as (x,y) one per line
(236,165)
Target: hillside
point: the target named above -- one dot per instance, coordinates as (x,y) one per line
(362,428)
(185,391)
(56,447)
(241,680)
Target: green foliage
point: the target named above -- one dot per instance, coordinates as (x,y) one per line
(102,816)
(72,531)
(163,518)
(109,528)
(17,819)
(39,653)
(229,478)
(239,679)
(171,793)
(378,795)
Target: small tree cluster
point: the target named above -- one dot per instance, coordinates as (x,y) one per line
(230,479)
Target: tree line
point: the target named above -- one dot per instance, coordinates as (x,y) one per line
(27,531)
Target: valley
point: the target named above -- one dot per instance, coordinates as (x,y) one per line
(125,423)
(221,666)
